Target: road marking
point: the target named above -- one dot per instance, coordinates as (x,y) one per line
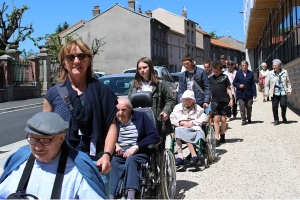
(20,109)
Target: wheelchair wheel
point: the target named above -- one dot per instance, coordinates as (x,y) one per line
(168,176)
(210,143)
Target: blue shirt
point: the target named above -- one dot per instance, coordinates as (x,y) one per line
(42,178)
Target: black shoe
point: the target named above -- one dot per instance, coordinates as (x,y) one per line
(234,116)
(284,119)
(222,139)
(249,121)
(243,123)
(264,100)
(217,143)
(268,99)
(276,122)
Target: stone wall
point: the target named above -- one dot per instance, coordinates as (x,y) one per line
(293,69)
(14,93)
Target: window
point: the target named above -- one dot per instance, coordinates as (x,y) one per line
(154,49)
(193,53)
(171,54)
(228,57)
(158,50)
(214,56)
(162,51)
(192,37)
(182,52)
(165,52)
(170,37)
(235,59)
(179,53)
(188,35)
(179,42)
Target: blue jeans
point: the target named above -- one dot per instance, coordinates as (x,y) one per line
(105,179)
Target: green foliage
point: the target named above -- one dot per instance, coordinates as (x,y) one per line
(25,54)
(60,27)
(214,35)
(11,23)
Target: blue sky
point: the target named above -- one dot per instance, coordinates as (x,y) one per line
(221,16)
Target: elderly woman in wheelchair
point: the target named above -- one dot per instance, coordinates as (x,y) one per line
(136,132)
(188,118)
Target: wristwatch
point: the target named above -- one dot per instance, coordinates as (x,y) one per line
(110,156)
(136,147)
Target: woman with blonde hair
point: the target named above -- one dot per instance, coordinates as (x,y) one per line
(87,104)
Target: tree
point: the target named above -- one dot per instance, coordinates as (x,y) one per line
(214,35)
(96,44)
(25,54)
(60,27)
(11,23)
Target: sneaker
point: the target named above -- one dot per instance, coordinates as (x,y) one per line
(264,100)
(222,139)
(249,121)
(179,161)
(276,122)
(217,143)
(194,160)
(243,123)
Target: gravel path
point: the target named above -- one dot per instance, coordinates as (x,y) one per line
(258,161)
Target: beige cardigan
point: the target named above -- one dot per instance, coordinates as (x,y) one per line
(271,80)
(196,115)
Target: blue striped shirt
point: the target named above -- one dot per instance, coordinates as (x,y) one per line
(127,135)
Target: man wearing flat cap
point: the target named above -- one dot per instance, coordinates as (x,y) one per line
(48,168)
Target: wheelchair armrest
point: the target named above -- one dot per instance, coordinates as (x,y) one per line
(173,127)
(153,146)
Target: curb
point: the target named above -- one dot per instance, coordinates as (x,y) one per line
(20,107)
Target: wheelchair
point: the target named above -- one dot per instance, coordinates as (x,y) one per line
(204,148)
(158,175)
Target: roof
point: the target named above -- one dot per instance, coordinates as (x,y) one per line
(258,16)
(81,21)
(202,32)
(176,32)
(222,44)
(174,14)
(229,37)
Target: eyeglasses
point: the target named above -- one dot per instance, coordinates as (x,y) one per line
(42,141)
(80,56)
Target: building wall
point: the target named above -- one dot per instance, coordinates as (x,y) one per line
(124,32)
(206,45)
(233,42)
(199,56)
(234,55)
(199,40)
(173,21)
(293,69)
(176,43)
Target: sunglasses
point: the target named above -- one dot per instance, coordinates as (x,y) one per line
(80,56)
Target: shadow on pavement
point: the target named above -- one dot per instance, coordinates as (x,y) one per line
(183,186)
(257,122)
(234,140)
(221,151)
(289,122)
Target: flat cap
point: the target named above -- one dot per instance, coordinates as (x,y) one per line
(46,123)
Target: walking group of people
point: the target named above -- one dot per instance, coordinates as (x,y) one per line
(86,139)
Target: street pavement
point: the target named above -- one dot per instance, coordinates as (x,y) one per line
(259,161)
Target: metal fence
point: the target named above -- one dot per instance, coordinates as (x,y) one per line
(23,74)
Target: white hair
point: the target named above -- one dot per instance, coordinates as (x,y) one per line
(263,64)
(277,61)
(129,105)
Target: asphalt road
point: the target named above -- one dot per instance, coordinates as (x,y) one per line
(12,125)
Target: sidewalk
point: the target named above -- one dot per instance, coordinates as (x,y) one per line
(258,161)
(16,105)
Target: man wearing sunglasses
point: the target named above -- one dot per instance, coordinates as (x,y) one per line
(48,168)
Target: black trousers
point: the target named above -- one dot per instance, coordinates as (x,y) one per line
(276,100)
(232,110)
(245,104)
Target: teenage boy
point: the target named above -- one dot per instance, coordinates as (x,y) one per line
(221,99)
(195,79)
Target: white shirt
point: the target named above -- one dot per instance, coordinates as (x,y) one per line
(42,179)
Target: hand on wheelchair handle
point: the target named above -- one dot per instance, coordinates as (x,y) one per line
(163,116)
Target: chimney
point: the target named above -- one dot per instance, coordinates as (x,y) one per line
(131,4)
(184,14)
(140,10)
(96,11)
(148,13)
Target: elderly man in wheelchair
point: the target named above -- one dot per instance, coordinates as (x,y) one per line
(136,132)
(188,118)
